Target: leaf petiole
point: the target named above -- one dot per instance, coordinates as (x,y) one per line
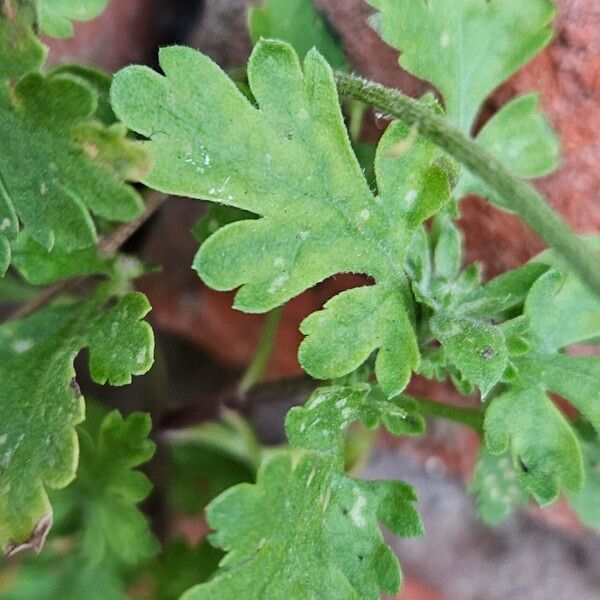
(263,353)
(518,195)
(471,417)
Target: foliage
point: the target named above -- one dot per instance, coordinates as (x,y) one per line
(79,167)
(298,23)
(585,502)
(98,514)
(271,159)
(210,458)
(79,157)
(291,205)
(546,449)
(465,48)
(520,136)
(20,49)
(305,526)
(39,446)
(182,566)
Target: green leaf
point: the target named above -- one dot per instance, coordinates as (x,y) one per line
(305,529)
(503,293)
(342,550)
(545,450)
(354,324)
(181,567)
(549,327)
(210,458)
(522,139)
(476,348)
(496,487)
(40,267)
(290,162)
(108,489)
(120,343)
(74,167)
(105,531)
(466,48)
(473,351)
(585,503)
(576,378)
(100,81)
(41,402)
(53,576)
(56,15)
(20,49)
(320,424)
(300,25)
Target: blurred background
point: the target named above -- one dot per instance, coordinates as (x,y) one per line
(203,346)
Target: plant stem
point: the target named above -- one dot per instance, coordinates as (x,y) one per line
(519,196)
(264,350)
(471,417)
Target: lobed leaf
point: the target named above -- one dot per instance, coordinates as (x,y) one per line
(321,423)
(472,349)
(496,487)
(41,402)
(40,267)
(100,81)
(546,452)
(297,23)
(53,576)
(466,48)
(97,515)
(108,488)
(354,324)
(544,448)
(522,139)
(585,503)
(550,330)
(305,529)
(290,162)
(75,166)
(477,349)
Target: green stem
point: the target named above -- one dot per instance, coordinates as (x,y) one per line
(471,417)
(519,196)
(260,361)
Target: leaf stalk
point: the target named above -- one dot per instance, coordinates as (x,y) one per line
(518,195)
(471,417)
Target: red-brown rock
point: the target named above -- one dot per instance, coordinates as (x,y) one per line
(124,33)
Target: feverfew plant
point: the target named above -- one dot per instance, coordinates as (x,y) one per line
(292,207)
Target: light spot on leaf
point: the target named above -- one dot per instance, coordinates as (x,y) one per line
(357,511)
(20,346)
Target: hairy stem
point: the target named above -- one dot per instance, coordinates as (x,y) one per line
(263,352)
(471,417)
(519,196)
